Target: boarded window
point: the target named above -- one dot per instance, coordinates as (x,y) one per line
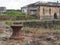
(50,11)
(43,11)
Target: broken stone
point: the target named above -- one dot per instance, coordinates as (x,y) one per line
(50,38)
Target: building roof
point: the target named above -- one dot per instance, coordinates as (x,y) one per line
(55,4)
(2,8)
(24,7)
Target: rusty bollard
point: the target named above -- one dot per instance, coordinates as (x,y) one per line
(17,33)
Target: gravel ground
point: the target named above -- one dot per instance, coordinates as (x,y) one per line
(36,37)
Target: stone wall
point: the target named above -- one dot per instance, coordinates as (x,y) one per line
(46,11)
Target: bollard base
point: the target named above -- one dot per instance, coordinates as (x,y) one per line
(17,33)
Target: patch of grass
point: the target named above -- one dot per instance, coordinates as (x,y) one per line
(57,27)
(8,23)
(17,22)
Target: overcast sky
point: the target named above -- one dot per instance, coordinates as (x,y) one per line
(17,4)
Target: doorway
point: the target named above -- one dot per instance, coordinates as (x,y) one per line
(55,16)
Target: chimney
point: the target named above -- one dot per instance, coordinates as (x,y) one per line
(57,1)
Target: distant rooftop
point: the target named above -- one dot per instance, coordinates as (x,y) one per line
(2,8)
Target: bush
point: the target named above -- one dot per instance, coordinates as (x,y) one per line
(17,14)
(8,23)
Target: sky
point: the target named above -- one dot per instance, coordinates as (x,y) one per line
(17,4)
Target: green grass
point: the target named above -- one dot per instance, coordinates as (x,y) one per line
(57,27)
(8,23)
